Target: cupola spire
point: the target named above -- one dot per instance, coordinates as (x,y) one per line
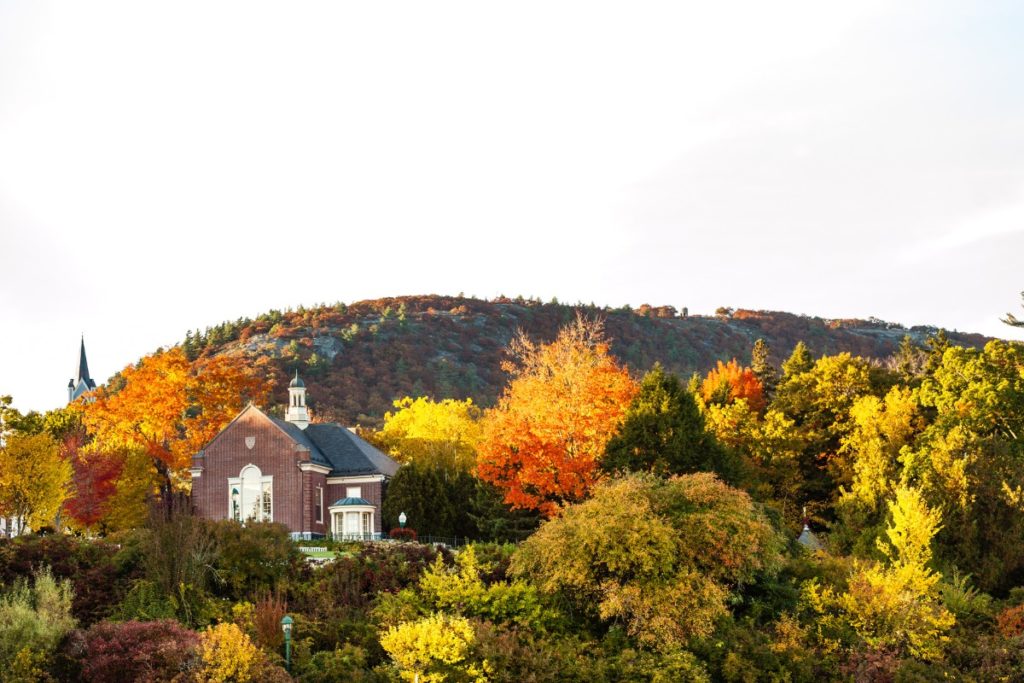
(297,413)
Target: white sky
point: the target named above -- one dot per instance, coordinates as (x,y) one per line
(166,166)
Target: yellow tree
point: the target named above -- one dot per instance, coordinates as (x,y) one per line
(894,606)
(434,649)
(34,479)
(869,459)
(436,433)
(566,399)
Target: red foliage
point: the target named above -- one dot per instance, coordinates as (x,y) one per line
(137,651)
(94,478)
(403,534)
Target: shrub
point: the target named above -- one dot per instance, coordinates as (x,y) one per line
(254,558)
(347,663)
(99,579)
(137,650)
(145,602)
(402,534)
(1011,621)
(228,654)
(34,619)
(433,649)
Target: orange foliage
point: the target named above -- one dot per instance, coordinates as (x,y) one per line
(729,381)
(169,406)
(1010,621)
(541,444)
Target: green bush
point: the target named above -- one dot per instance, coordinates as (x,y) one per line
(33,619)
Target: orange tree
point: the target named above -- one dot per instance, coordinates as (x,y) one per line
(729,381)
(170,407)
(541,443)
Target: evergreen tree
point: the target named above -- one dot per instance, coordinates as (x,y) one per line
(765,372)
(937,345)
(664,432)
(800,361)
(909,360)
(433,499)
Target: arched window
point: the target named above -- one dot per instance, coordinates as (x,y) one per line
(251,495)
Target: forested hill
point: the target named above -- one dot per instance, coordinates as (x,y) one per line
(357,358)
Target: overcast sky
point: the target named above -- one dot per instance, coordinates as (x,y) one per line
(167,166)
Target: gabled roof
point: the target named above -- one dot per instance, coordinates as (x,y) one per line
(330,445)
(346,452)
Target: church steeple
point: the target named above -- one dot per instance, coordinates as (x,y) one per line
(83,382)
(296,413)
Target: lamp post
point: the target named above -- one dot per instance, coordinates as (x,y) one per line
(286,626)
(402,519)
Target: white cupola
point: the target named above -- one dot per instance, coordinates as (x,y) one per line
(297,413)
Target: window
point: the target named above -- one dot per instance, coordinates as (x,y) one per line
(320,504)
(367,522)
(354,492)
(251,496)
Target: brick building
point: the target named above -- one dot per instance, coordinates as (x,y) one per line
(316,479)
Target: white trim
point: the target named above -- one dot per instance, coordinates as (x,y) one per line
(361,479)
(353,508)
(313,467)
(196,472)
(237,482)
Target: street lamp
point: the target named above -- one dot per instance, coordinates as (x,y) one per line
(402,519)
(286,626)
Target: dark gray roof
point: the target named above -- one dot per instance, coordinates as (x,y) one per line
(338,448)
(351,501)
(83,369)
(297,382)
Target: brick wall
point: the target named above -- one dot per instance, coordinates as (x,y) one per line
(273,452)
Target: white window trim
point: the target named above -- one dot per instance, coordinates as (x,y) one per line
(264,479)
(320,496)
(338,515)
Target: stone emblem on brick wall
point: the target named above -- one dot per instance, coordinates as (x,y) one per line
(250,442)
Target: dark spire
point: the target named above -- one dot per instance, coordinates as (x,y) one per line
(83,368)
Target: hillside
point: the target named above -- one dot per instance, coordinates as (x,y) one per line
(357,358)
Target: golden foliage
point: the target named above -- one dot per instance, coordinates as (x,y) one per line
(34,479)
(437,433)
(228,654)
(429,650)
(542,442)
(170,407)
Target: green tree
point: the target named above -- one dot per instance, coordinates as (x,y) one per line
(799,361)
(967,462)
(818,400)
(664,432)
(761,364)
(659,556)
(435,501)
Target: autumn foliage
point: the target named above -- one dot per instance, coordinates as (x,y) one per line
(171,407)
(542,442)
(729,381)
